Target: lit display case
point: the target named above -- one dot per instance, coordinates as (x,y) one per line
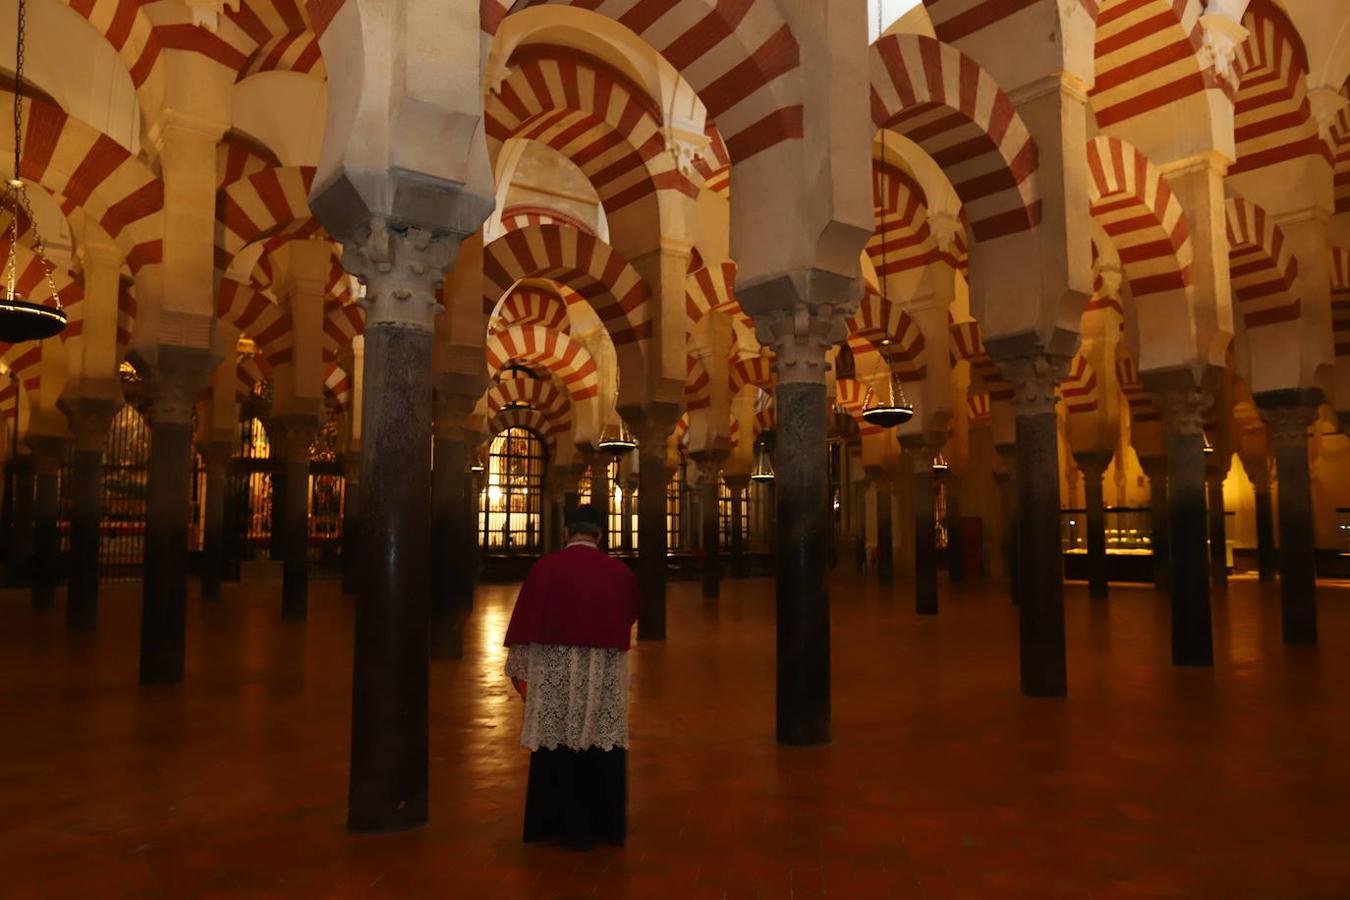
(1129,543)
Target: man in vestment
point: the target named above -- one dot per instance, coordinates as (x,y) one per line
(568,657)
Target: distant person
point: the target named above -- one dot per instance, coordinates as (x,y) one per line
(568,658)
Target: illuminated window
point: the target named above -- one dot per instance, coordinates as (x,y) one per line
(511,505)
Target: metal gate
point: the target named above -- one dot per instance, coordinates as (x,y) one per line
(126,477)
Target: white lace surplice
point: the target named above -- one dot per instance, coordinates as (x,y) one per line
(577,696)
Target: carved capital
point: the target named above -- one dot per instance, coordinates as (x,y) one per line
(1034,379)
(90,418)
(49,452)
(292,436)
(1092,465)
(401,269)
(685,147)
(1287,426)
(1258,472)
(216,455)
(176,380)
(800,337)
(1183,409)
(1223,35)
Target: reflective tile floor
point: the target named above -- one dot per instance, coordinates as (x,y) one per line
(1149,781)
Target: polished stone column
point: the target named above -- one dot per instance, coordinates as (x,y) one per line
(1093,466)
(351,522)
(90,419)
(1159,540)
(737,485)
(626,517)
(956,539)
(1041,556)
(924,499)
(1183,409)
(19,562)
(1266,556)
(601,491)
(1216,470)
(885,528)
(292,437)
(1288,415)
(653,476)
(453,575)
(709,481)
(48,454)
(177,377)
(1007,483)
(216,456)
(389,755)
(800,338)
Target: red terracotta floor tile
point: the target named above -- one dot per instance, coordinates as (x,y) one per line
(941,781)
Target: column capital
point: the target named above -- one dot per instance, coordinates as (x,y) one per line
(292,435)
(216,454)
(450,411)
(1183,407)
(175,381)
(401,269)
(709,463)
(1154,467)
(736,483)
(1034,379)
(800,338)
(1288,415)
(49,452)
(1258,471)
(1093,464)
(90,418)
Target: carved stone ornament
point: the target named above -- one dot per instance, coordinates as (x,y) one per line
(1223,35)
(1183,409)
(401,270)
(1034,380)
(1287,426)
(206,13)
(685,147)
(801,337)
(90,420)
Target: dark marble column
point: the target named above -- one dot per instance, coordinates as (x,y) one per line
(924,497)
(389,755)
(653,477)
(709,474)
(19,564)
(1215,473)
(956,538)
(1183,409)
(177,376)
(48,454)
(626,516)
(885,528)
(1266,556)
(453,573)
(738,485)
(1093,466)
(601,491)
(90,419)
(292,436)
(1160,542)
(351,522)
(1007,483)
(1041,606)
(1288,415)
(216,457)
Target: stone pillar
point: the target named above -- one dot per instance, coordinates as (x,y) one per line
(885,528)
(178,375)
(452,528)
(1216,470)
(1288,415)
(48,455)
(956,544)
(1040,557)
(389,757)
(351,523)
(626,516)
(924,498)
(1156,470)
(216,456)
(1266,558)
(292,436)
(800,337)
(90,419)
(1007,483)
(737,485)
(653,475)
(1183,409)
(19,566)
(600,491)
(1093,466)
(709,480)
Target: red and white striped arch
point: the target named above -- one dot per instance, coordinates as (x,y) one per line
(535,393)
(943,101)
(533,346)
(1140,403)
(249,371)
(739,57)
(697,385)
(341,323)
(1147,57)
(126,314)
(580,261)
(521,216)
(979,407)
(1340,155)
(766,413)
(881,323)
(1141,215)
(590,113)
(337,384)
(524,417)
(712,288)
(1340,299)
(270,204)
(533,305)
(1273,119)
(1079,387)
(31,283)
(901,239)
(22,361)
(954,20)
(85,168)
(969,344)
(714,165)
(266,323)
(851,396)
(1261,264)
(756,370)
(126,27)
(238,156)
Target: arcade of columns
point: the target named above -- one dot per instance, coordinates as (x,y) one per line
(1098,237)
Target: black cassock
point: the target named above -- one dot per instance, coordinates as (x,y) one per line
(577,797)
